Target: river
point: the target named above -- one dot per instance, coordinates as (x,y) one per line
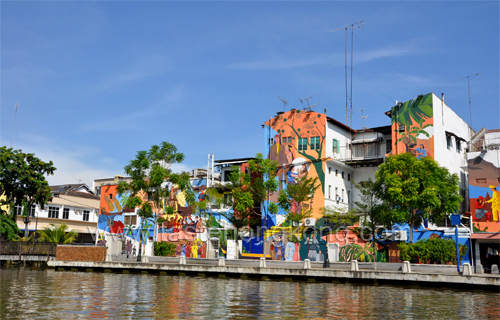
(47,294)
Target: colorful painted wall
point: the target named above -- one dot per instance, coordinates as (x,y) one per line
(412,127)
(484,186)
(296,139)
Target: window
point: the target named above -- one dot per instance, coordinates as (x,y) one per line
(366,150)
(18,210)
(388,146)
(348,196)
(342,196)
(336,172)
(315,143)
(329,170)
(336,193)
(86,215)
(109,222)
(302,144)
(227,175)
(54,212)
(130,220)
(110,196)
(336,146)
(448,142)
(342,174)
(32,211)
(348,177)
(329,192)
(289,139)
(151,196)
(65,213)
(458,146)
(98,191)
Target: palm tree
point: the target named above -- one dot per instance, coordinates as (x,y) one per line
(58,234)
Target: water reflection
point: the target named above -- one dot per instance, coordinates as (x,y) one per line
(56,295)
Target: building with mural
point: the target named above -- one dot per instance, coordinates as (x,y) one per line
(484,198)
(307,143)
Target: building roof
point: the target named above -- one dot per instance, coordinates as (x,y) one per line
(232,161)
(65,188)
(340,124)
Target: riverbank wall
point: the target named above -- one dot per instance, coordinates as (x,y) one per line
(310,272)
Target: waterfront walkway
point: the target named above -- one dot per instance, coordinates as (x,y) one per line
(339,272)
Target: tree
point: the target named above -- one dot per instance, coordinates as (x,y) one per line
(57,234)
(374,210)
(416,189)
(249,189)
(294,198)
(22,182)
(148,185)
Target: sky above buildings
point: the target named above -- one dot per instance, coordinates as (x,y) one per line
(98,81)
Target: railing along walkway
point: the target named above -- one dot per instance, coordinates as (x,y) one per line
(9,250)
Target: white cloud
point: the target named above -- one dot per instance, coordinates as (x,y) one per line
(70,162)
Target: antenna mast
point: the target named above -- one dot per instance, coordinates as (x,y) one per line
(468,85)
(348,98)
(285,103)
(13,125)
(309,106)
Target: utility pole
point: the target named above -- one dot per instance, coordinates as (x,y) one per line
(468,85)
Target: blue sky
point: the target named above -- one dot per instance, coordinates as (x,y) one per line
(98,81)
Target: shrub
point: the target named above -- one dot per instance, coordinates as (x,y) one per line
(441,251)
(165,249)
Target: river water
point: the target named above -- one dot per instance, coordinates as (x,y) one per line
(47,294)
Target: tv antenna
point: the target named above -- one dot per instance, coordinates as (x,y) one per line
(309,106)
(348,98)
(79,180)
(13,125)
(285,103)
(363,117)
(468,85)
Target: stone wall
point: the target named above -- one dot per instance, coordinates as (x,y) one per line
(80,253)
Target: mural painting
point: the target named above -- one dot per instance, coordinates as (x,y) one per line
(413,127)
(484,191)
(296,140)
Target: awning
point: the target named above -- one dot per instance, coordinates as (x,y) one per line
(486,236)
(362,141)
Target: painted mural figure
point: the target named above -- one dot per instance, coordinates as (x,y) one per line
(280,249)
(421,152)
(178,250)
(184,249)
(495,202)
(273,243)
(296,256)
(194,250)
(480,211)
(290,251)
(203,250)
(313,245)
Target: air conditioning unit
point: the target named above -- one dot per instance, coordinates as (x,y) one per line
(310,222)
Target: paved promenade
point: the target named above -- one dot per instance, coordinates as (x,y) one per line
(339,272)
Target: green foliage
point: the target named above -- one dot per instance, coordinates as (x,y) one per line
(249,188)
(441,251)
(57,234)
(300,193)
(338,220)
(148,174)
(8,225)
(164,249)
(22,182)
(413,189)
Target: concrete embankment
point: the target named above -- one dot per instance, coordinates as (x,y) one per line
(297,271)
